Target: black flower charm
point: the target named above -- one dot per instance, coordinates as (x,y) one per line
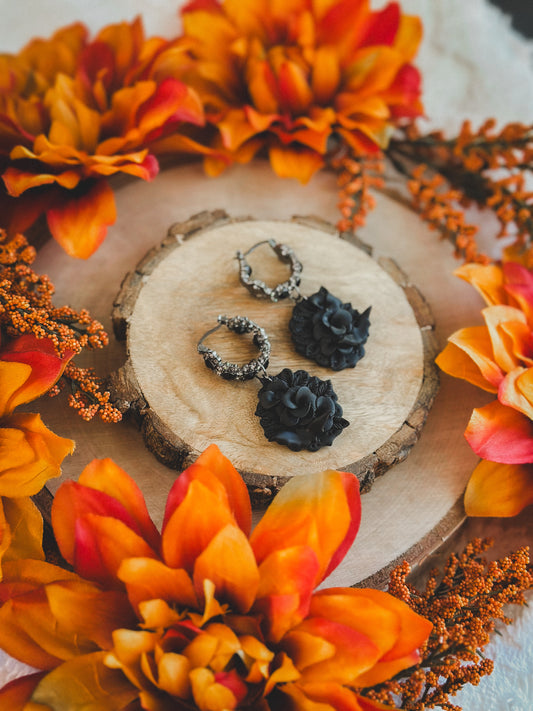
(329,332)
(299,411)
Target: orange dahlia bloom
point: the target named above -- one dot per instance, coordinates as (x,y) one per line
(292,76)
(74,112)
(30,453)
(202,615)
(498,357)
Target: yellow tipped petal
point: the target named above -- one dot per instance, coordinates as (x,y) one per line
(148,579)
(208,694)
(468,355)
(30,454)
(486,279)
(24,523)
(173,672)
(295,162)
(496,318)
(499,489)
(321,511)
(228,561)
(86,682)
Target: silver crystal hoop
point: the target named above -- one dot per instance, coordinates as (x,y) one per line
(232,371)
(258,288)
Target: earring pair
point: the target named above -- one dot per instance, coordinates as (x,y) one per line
(323,328)
(295,409)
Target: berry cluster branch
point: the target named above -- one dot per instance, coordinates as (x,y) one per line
(464,602)
(487,167)
(26,308)
(356,176)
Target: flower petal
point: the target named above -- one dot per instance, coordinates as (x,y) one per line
(73,502)
(287,580)
(218,474)
(468,355)
(193,524)
(18,181)
(323,695)
(382,26)
(499,489)
(321,511)
(101,544)
(501,434)
(519,286)
(106,476)
(413,630)
(25,523)
(80,223)
(228,562)
(28,629)
(301,163)
(150,579)
(15,695)
(294,91)
(46,369)
(355,653)
(516,390)
(409,36)
(208,694)
(13,377)
(83,683)
(30,454)
(496,318)
(487,279)
(89,612)
(326,74)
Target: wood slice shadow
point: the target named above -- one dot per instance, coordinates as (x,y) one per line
(173,297)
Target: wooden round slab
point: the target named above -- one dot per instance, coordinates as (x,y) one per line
(174,296)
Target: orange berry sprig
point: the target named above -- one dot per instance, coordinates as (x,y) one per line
(86,395)
(464,602)
(356,175)
(26,308)
(436,204)
(486,166)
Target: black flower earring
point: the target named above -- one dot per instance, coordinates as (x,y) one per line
(296,409)
(323,328)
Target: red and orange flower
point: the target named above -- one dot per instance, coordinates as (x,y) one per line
(74,112)
(30,453)
(498,357)
(203,615)
(292,76)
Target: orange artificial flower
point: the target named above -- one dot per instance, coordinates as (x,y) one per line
(298,76)
(498,357)
(74,112)
(203,615)
(30,453)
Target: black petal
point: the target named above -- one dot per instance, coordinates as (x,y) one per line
(299,411)
(329,332)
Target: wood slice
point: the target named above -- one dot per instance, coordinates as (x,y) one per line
(174,296)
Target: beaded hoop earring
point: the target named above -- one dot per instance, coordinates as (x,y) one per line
(323,328)
(295,409)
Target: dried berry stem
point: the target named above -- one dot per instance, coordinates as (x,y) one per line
(464,602)
(26,308)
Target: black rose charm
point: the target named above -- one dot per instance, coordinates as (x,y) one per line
(329,332)
(299,411)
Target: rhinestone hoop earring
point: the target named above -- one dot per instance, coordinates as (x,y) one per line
(323,328)
(295,409)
